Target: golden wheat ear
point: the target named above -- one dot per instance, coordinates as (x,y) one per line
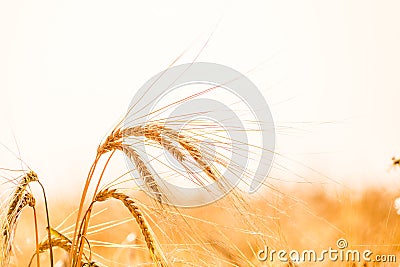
(10,225)
(61,241)
(155,252)
(144,172)
(190,145)
(112,142)
(115,142)
(20,199)
(164,137)
(155,133)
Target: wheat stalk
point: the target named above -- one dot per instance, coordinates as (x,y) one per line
(130,204)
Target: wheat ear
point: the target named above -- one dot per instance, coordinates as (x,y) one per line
(159,133)
(20,191)
(196,154)
(112,142)
(189,144)
(61,241)
(20,199)
(144,172)
(9,228)
(130,204)
(155,133)
(163,136)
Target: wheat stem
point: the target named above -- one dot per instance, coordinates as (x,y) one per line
(76,238)
(36,237)
(48,224)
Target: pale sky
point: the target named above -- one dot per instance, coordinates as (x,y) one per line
(68,70)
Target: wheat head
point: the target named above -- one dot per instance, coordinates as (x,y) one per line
(20,199)
(130,204)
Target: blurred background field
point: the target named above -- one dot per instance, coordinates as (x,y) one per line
(304,220)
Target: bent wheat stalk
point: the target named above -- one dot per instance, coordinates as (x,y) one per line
(130,204)
(82,226)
